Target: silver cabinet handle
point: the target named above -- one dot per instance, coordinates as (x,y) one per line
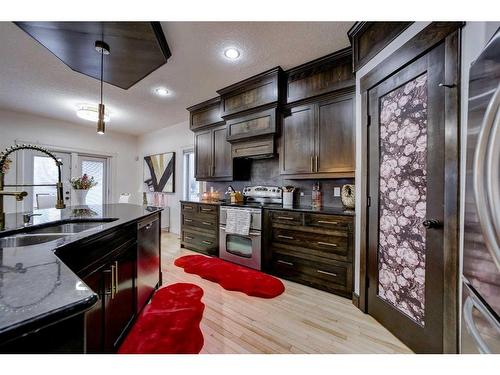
(188,207)
(284,262)
(254,233)
(222,228)
(285,218)
(486,176)
(206,209)
(327,244)
(326,273)
(116,277)
(285,237)
(328,222)
(206,223)
(188,237)
(206,242)
(188,220)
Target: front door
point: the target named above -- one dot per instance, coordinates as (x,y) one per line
(405,216)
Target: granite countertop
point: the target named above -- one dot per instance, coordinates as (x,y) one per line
(335,210)
(36,287)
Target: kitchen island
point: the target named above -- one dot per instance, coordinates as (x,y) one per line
(73,280)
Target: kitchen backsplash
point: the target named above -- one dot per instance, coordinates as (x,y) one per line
(266,172)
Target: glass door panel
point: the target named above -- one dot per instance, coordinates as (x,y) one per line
(239,245)
(95,167)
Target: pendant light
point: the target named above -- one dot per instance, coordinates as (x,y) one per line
(103,49)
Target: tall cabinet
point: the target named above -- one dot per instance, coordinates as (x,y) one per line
(317,136)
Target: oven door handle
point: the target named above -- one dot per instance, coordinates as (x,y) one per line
(249,233)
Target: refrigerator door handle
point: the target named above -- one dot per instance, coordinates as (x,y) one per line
(486,177)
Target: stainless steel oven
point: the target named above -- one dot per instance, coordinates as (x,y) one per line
(242,249)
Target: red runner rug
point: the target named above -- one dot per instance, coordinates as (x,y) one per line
(170,324)
(232,276)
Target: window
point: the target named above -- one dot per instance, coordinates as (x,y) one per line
(95,167)
(191,186)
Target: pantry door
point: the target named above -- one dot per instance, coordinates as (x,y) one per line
(405,217)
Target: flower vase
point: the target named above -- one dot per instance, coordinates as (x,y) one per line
(81,196)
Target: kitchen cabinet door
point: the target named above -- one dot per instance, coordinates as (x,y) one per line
(297,147)
(93,318)
(120,297)
(222,160)
(203,153)
(335,136)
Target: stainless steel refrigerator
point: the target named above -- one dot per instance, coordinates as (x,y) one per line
(481,259)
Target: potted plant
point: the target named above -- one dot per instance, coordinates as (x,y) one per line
(81,186)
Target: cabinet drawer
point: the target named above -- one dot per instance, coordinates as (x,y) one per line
(328,246)
(334,278)
(286,217)
(202,223)
(198,239)
(208,209)
(327,221)
(189,207)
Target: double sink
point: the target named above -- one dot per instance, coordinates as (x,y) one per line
(46,233)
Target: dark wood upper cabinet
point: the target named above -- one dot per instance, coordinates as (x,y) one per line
(297,137)
(203,154)
(213,155)
(369,38)
(205,114)
(222,160)
(335,142)
(326,74)
(254,92)
(318,138)
(252,125)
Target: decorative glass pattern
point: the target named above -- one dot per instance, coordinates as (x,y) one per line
(402,200)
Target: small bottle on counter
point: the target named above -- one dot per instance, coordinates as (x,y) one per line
(317,196)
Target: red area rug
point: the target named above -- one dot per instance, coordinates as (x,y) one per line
(232,276)
(170,324)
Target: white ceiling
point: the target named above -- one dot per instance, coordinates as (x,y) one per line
(35,81)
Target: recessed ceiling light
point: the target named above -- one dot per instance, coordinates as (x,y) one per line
(232,53)
(91,113)
(162,91)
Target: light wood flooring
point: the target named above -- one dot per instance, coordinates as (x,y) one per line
(301,320)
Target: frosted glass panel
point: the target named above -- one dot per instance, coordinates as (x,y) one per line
(44,172)
(402,200)
(95,169)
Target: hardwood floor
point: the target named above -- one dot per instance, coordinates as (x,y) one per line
(301,320)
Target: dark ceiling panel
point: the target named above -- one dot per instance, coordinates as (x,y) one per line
(137,48)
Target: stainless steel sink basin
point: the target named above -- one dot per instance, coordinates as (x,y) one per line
(21,240)
(68,228)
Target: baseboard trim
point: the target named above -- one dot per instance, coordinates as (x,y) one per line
(355,300)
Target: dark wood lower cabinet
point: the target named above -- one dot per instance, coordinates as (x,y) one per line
(119,299)
(108,321)
(200,227)
(311,249)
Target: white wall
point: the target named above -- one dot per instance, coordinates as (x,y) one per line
(59,135)
(474,37)
(175,138)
